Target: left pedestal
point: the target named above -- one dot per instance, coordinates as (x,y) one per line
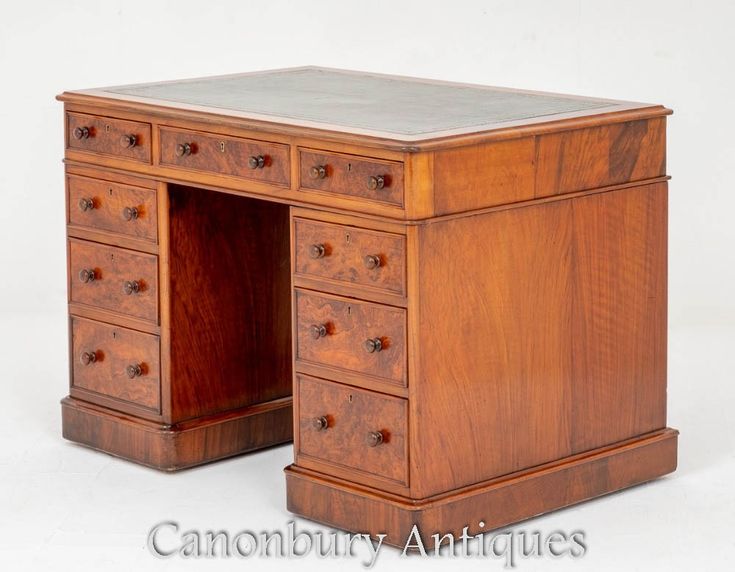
(179,320)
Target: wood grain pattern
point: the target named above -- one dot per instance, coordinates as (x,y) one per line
(495,337)
(554,339)
(105,134)
(225,155)
(115,349)
(495,503)
(112,268)
(600,156)
(478,176)
(348,324)
(109,200)
(230,303)
(352,414)
(345,249)
(619,315)
(348,175)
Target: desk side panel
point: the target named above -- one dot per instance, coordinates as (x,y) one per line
(494,392)
(542,334)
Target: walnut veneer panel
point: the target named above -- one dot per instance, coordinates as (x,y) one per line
(336,423)
(116,362)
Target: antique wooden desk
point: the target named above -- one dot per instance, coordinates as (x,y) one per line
(465,287)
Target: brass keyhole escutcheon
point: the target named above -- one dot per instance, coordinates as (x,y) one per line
(222,146)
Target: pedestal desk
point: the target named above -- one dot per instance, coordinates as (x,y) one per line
(465,287)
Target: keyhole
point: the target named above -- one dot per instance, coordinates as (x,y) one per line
(350,398)
(349,166)
(107,128)
(114,335)
(222,146)
(349,310)
(347,237)
(110,189)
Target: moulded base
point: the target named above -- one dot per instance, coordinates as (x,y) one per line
(495,503)
(174,447)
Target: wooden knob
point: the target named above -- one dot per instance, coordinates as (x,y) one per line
(375,438)
(376,182)
(130,213)
(81,132)
(86,204)
(134,370)
(87,275)
(318,172)
(318,331)
(317,251)
(128,141)
(372,261)
(320,423)
(183,149)
(256,162)
(131,287)
(88,357)
(373,345)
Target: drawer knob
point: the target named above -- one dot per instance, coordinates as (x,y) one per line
(131,287)
(81,132)
(373,345)
(375,182)
(88,357)
(318,331)
(134,370)
(86,204)
(128,141)
(317,251)
(372,261)
(318,172)
(183,149)
(320,423)
(130,213)
(256,162)
(87,275)
(375,438)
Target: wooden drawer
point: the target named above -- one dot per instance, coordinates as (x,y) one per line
(225,155)
(122,209)
(109,136)
(354,428)
(115,279)
(350,255)
(347,334)
(371,179)
(116,362)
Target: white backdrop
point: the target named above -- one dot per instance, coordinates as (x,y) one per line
(678,53)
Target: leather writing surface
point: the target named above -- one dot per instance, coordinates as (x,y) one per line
(403,106)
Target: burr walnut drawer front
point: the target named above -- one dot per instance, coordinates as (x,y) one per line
(114,279)
(122,209)
(350,255)
(366,178)
(115,362)
(109,136)
(225,155)
(354,428)
(351,335)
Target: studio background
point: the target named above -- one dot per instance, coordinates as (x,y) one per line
(64,507)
